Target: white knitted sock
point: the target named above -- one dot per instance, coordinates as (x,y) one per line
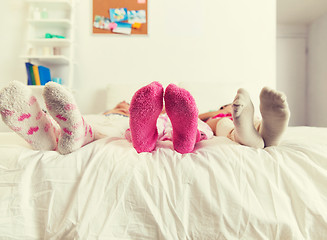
(275,115)
(75,132)
(243,113)
(21,111)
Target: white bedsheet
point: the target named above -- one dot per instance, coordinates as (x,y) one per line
(221,191)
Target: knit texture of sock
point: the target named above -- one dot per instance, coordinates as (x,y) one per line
(243,115)
(75,132)
(183,113)
(145,108)
(22,113)
(275,115)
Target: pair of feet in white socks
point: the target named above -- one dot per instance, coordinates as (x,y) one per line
(275,117)
(65,130)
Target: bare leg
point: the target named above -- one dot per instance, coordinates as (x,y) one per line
(275,116)
(243,113)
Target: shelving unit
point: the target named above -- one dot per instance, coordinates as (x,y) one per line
(50,42)
(60,4)
(55,60)
(55,53)
(62,23)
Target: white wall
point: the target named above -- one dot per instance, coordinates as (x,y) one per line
(12,22)
(12,28)
(213,40)
(291,70)
(224,41)
(317,73)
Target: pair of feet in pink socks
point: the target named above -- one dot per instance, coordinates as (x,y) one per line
(145,108)
(64,129)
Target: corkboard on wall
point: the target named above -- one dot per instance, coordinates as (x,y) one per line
(101,8)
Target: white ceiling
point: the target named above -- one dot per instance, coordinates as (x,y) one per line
(300,11)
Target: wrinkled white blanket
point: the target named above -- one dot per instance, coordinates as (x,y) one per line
(221,191)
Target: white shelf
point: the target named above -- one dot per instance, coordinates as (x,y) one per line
(55,59)
(61,23)
(52,42)
(52,3)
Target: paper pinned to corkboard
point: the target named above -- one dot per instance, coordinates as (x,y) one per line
(120,17)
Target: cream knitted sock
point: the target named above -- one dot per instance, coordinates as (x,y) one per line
(75,132)
(275,116)
(21,111)
(243,113)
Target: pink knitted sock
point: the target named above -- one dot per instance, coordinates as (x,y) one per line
(145,108)
(21,112)
(75,132)
(183,113)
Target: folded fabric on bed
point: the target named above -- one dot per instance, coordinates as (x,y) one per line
(223,190)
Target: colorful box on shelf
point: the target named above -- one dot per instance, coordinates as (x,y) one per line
(57,80)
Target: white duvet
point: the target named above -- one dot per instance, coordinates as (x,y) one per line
(221,191)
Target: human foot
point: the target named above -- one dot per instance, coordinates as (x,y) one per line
(243,113)
(75,132)
(145,108)
(22,113)
(183,113)
(275,115)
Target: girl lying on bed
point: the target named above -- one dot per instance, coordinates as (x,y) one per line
(182,117)
(65,129)
(237,121)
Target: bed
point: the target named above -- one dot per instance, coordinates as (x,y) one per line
(106,190)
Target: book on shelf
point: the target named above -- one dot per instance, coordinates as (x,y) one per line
(30,67)
(45,75)
(29,76)
(37,75)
